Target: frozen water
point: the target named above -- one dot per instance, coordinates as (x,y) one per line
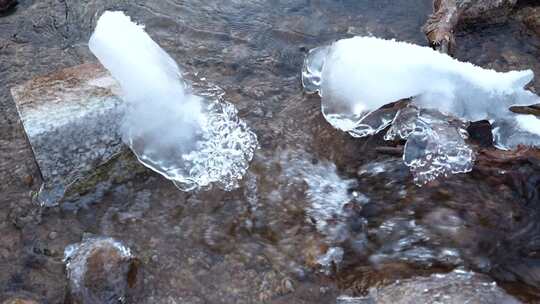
(341,115)
(333,256)
(327,193)
(330,202)
(195,141)
(357,77)
(516,129)
(83,261)
(402,239)
(435,146)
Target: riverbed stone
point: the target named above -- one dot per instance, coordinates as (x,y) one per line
(456,287)
(102,270)
(19,301)
(531,18)
(71,119)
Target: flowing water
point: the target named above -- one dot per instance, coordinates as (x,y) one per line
(319,214)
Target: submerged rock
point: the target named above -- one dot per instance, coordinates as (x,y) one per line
(449,14)
(456,287)
(101,270)
(19,301)
(71,118)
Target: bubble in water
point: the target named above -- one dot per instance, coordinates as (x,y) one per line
(327,193)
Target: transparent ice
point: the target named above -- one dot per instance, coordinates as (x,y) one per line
(357,78)
(193,140)
(435,144)
(333,256)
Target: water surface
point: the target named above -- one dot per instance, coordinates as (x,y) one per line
(264,241)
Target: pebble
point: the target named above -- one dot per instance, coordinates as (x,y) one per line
(53,235)
(102,270)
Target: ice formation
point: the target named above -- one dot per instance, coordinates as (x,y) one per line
(327,193)
(434,144)
(333,256)
(331,203)
(404,239)
(195,141)
(101,262)
(357,77)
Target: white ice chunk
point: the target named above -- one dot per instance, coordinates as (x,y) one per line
(528,123)
(194,141)
(516,129)
(357,77)
(361,74)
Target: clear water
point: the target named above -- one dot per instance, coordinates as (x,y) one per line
(259,242)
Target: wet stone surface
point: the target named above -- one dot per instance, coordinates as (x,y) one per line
(102,270)
(19,301)
(72,120)
(257,244)
(453,288)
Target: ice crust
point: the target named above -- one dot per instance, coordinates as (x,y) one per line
(195,141)
(78,257)
(357,77)
(435,144)
(327,193)
(331,203)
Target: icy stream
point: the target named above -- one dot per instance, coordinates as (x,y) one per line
(319,217)
(356,77)
(194,141)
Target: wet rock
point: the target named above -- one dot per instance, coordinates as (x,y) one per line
(480,132)
(101,270)
(497,159)
(19,301)
(6,5)
(71,118)
(530,16)
(449,14)
(53,235)
(458,286)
